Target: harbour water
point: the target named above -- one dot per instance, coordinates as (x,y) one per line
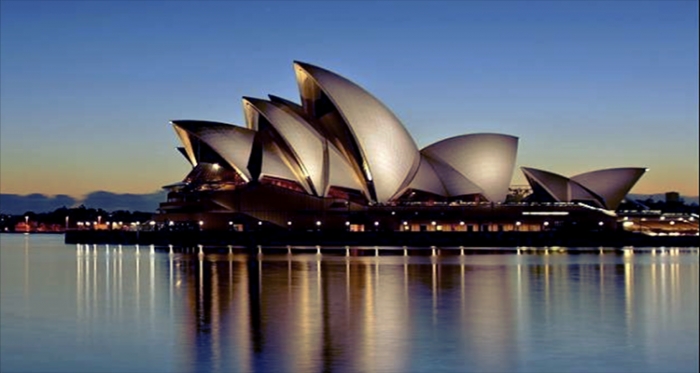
(72,308)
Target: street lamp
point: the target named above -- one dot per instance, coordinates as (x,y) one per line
(26,223)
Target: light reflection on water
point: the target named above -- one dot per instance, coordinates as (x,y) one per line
(112,308)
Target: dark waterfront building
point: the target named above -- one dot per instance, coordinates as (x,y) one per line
(341,160)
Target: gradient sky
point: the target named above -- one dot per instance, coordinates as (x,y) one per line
(87,87)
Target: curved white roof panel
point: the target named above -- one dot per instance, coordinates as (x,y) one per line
(611,184)
(556,185)
(561,188)
(340,174)
(274,165)
(454,181)
(485,159)
(232,143)
(305,144)
(184,137)
(389,155)
(427,179)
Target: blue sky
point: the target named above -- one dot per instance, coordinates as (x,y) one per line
(87,87)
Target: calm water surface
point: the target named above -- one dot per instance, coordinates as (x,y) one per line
(63,309)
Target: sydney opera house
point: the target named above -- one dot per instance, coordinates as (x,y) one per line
(341,160)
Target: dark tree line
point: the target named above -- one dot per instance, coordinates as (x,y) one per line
(73,215)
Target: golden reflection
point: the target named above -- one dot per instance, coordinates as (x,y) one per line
(294,307)
(171,281)
(462,289)
(93,306)
(366,293)
(107,279)
(26,267)
(79,281)
(215,318)
(405,284)
(137,285)
(86,283)
(434,292)
(546,286)
(601,282)
(119,290)
(152,286)
(629,293)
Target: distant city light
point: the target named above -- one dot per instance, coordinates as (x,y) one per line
(558,213)
(318,223)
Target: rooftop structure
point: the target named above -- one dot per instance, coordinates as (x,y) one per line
(342,146)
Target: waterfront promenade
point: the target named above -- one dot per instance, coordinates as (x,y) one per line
(396,239)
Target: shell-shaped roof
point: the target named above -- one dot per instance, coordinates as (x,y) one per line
(274,165)
(455,183)
(188,151)
(561,188)
(427,180)
(232,143)
(340,174)
(305,145)
(389,156)
(611,184)
(485,159)
(556,185)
